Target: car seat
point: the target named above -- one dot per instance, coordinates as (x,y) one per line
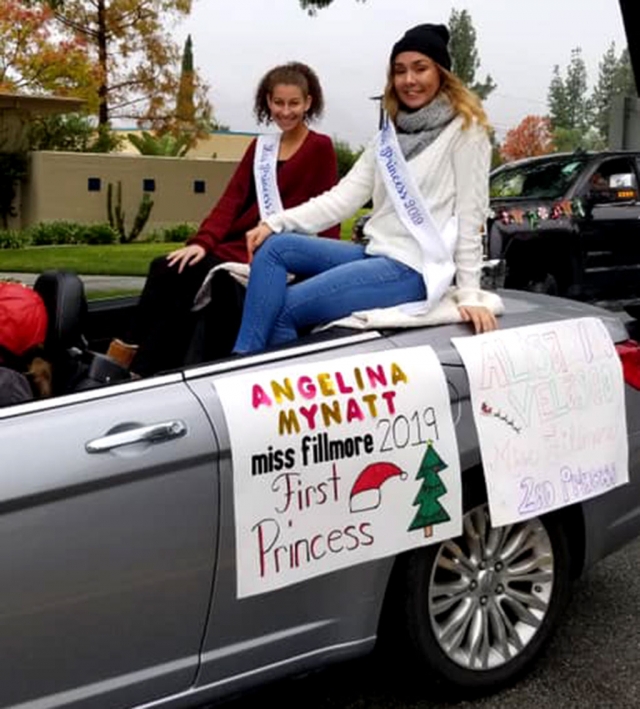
(75,367)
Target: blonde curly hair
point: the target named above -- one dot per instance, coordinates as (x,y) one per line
(464,101)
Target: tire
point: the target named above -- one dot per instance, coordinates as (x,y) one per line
(548,285)
(476,627)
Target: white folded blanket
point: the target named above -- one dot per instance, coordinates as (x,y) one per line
(409,315)
(240,271)
(443,313)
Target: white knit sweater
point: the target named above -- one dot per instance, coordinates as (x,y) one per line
(453,175)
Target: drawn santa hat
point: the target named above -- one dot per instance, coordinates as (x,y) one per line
(365,493)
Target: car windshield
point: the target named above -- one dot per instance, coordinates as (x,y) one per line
(543,179)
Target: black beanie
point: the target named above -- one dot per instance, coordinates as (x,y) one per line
(430,40)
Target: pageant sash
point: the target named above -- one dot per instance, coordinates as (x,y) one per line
(264,172)
(438,268)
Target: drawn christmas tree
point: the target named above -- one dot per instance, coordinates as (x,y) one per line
(430,510)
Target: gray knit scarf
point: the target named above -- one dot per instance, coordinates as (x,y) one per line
(419,129)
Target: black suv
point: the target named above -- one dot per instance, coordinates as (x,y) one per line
(569,224)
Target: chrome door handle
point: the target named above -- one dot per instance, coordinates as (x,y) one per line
(157,433)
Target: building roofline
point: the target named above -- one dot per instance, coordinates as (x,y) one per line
(39,104)
(131,129)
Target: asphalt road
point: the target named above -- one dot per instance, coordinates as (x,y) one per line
(592,663)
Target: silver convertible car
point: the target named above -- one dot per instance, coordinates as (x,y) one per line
(119,579)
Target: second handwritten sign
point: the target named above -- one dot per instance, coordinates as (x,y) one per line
(548,403)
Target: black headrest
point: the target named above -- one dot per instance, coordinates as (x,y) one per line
(66,304)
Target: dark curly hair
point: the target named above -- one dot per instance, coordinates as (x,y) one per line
(291,74)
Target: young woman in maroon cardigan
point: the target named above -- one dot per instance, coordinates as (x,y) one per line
(290,96)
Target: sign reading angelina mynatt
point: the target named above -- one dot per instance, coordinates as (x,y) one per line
(339,462)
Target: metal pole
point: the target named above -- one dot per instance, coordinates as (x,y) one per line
(631,20)
(380,109)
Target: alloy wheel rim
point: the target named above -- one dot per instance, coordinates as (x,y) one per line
(490,590)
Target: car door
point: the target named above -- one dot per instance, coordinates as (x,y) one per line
(108,514)
(610,235)
(251,639)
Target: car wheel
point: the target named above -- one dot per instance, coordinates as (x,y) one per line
(548,285)
(479,608)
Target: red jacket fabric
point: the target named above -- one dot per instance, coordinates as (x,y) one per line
(310,171)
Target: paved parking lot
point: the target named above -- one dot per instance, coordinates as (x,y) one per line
(593,662)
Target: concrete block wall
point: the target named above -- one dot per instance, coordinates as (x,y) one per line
(73,187)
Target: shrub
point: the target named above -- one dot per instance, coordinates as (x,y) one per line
(12,239)
(56,233)
(97,234)
(60,233)
(153,236)
(178,232)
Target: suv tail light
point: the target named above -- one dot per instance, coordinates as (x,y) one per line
(629,353)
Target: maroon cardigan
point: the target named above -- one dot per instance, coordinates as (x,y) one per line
(311,170)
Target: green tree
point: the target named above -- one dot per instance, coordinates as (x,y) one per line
(557,100)
(604,90)
(188,120)
(430,511)
(615,78)
(569,106)
(72,132)
(496,157)
(312,6)
(465,59)
(567,96)
(576,91)
(345,156)
(625,78)
(185,106)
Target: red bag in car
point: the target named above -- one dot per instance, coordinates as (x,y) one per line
(23,318)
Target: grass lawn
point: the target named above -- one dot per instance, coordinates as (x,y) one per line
(112,293)
(111,260)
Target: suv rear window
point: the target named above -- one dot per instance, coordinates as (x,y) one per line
(544,179)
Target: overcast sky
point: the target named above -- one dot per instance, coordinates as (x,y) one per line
(348,44)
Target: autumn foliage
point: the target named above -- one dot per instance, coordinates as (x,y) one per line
(532,137)
(34,59)
(120,55)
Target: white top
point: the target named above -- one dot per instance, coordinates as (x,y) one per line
(453,175)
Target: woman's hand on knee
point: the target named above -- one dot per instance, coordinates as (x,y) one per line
(482,319)
(186,256)
(255,238)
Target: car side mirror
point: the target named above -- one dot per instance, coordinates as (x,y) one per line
(612,196)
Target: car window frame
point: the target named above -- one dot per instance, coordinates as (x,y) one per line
(584,159)
(584,191)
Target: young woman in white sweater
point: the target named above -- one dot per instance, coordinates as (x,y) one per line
(427,172)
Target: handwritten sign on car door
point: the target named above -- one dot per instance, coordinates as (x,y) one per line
(548,403)
(339,462)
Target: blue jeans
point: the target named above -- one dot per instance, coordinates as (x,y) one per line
(339,279)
